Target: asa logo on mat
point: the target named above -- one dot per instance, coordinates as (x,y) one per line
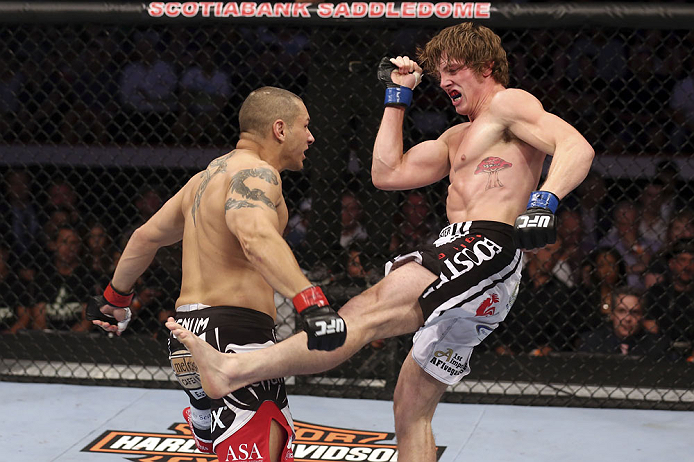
(313,443)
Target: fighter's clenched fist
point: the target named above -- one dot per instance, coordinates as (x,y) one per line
(400,76)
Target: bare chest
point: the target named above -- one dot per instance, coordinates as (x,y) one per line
(485,147)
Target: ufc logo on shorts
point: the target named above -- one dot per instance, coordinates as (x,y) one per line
(335,325)
(535,222)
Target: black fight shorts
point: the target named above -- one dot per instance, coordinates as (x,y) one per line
(228,329)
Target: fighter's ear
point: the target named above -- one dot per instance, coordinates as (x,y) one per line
(488,69)
(279,130)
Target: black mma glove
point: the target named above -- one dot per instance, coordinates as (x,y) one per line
(537,227)
(115,299)
(396,95)
(325,328)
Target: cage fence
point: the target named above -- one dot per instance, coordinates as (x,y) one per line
(107,110)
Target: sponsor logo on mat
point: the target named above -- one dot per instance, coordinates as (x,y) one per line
(313,443)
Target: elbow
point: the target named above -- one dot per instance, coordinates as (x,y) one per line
(589,155)
(589,152)
(381,181)
(142,238)
(148,237)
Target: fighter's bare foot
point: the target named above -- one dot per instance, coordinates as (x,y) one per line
(211,363)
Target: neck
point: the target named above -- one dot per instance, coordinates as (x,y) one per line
(485,98)
(265,149)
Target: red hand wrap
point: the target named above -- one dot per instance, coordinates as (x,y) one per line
(313,296)
(117,299)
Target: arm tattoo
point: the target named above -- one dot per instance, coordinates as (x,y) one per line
(238,186)
(234,204)
(221,166)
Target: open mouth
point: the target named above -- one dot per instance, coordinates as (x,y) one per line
(455,95)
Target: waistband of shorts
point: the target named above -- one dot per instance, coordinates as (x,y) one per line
(240,314)
(466,227)
(191,307)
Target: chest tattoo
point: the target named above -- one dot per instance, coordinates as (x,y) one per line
(491,166)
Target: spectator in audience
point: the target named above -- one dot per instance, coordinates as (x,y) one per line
(20,224)
(681,226)
(623,335)
(634,249)
(671,302)
(14,298)
(603,270)
(652,224)
(155,298)
(675,195)
(355,274)
(148,93)
(415,223)
(592,199)
(204,92)
(99,257)
(352,276)
(297,227)
(571,255)
(351,215)
(62,196)
(61,288)
(543,317)
(147,201)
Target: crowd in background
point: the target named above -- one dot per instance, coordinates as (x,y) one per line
(618,280)
(183,86)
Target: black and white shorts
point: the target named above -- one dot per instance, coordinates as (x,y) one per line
(229,329)
(479,271)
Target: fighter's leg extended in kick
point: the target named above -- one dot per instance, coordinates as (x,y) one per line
(388,309)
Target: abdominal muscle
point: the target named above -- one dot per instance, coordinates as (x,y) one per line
(494,185)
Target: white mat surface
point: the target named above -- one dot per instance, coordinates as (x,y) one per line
(47,422)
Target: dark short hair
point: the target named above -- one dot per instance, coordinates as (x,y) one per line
(622,291)
(265,105)
(685,245)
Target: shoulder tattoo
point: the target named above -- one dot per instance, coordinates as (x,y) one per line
(250,197)
(219,165)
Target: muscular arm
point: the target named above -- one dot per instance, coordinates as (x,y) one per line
(251,215)
(164,228)
(572,154)
(422,165)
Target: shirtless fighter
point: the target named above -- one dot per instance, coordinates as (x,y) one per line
(230,218)
(455,292)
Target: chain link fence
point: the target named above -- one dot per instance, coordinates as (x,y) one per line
(103,119)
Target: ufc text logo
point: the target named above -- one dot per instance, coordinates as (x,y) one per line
(335,325)
(534,222)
